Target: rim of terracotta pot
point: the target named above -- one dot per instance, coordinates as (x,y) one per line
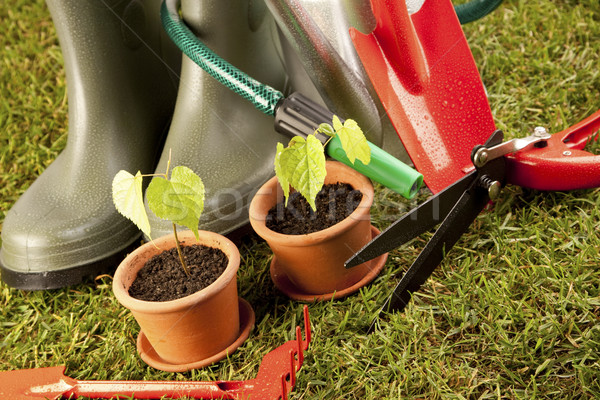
(121,282)
(258,213)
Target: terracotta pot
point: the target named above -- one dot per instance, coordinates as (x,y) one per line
(193,328)
(314,263)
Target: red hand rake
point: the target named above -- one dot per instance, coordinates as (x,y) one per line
(276,378)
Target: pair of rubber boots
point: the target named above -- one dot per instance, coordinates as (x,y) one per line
(133,99)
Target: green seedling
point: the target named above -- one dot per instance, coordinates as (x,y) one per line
(301,164)
(178,199)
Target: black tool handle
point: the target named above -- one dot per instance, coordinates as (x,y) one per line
(297,115)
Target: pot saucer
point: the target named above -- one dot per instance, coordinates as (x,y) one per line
(283,283)
(148,354)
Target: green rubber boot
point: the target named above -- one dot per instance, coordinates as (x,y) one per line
(121,96)
(221,136)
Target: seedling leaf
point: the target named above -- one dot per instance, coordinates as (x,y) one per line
(279,172)
(326,129)
(179,200)
(129,200)
(303,162)
(353,140)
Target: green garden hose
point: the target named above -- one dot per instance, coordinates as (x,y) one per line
(475,9)
(264,97)
(295,115)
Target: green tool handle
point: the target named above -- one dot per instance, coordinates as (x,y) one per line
(383,168)
(297,115)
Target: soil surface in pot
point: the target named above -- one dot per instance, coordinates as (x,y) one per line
(162,278)
(334,203)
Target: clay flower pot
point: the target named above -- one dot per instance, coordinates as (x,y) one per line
(311,266)
(193,331)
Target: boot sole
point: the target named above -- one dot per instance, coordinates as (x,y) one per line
(64,277)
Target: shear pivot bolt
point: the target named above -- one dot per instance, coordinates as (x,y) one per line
(540,131)
(481,157)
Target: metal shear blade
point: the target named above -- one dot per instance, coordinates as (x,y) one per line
(456,207)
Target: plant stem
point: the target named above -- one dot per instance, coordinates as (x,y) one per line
(179,252)
(168,167)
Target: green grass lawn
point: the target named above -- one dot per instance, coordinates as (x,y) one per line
(512,312)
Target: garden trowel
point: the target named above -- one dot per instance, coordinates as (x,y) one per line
(421,66)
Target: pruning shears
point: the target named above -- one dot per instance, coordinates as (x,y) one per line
(539,161)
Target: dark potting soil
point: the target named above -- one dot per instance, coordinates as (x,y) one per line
(334,203)
(163,277)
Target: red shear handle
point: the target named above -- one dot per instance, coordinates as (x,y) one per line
(562,164)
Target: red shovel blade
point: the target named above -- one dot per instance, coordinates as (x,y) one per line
(425,76)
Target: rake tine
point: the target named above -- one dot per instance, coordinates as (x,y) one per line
(284,387)
(293,368)
(307,327)
(300,346)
